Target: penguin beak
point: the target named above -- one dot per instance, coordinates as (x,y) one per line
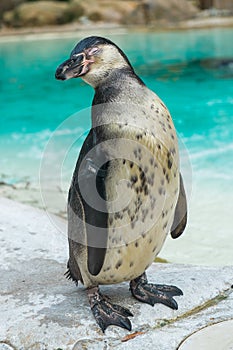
(76,66)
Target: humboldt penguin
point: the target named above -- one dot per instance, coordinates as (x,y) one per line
(127,192)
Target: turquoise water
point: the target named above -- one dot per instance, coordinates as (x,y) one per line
(189,70)
(192,71)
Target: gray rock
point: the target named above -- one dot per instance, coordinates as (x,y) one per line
(154,12)
(41,310)
(107,11)
(7,5)
(39,13)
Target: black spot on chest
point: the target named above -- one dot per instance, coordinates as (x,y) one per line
(118,264)
(134,179)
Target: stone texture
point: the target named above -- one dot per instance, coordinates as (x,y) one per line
(215,337)
(6,5)
(41,310)
(153,12)
(39,13)
(223,4)
(107,11)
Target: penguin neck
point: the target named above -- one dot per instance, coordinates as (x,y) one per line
(114,84)
(99,79)
(113,95)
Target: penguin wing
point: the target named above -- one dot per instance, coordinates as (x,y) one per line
(76,232)
(180,217)
(88,219)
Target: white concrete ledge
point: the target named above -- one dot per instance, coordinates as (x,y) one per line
(40,309)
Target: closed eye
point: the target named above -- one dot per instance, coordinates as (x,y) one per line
(93,51)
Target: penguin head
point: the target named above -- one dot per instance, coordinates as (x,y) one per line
(93,59)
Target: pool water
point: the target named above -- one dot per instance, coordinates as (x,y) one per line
(192,71)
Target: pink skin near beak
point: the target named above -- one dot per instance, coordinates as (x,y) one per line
(76,66)
(85,64)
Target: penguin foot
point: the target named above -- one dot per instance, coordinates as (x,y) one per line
(106,313)
(154,293)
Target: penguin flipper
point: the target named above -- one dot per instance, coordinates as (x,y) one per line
(87,226)
(88,217)
(76,233)
(180,217)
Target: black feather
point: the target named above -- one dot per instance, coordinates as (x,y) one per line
(69,276)
(93,41)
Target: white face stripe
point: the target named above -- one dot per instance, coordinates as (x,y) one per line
(78,54)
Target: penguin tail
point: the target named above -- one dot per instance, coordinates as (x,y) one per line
(69,276)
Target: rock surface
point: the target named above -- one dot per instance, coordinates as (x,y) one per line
(156,14)
(40,13)
(41,310)
(153,12)
(6,5)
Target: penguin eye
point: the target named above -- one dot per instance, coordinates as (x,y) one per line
(93,51)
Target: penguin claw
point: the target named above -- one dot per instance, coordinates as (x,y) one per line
(122,310)
(106,313)
(169,290)
(154,293)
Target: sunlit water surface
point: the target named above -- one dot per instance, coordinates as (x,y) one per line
(192,71)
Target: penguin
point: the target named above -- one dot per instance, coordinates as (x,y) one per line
(126,193)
